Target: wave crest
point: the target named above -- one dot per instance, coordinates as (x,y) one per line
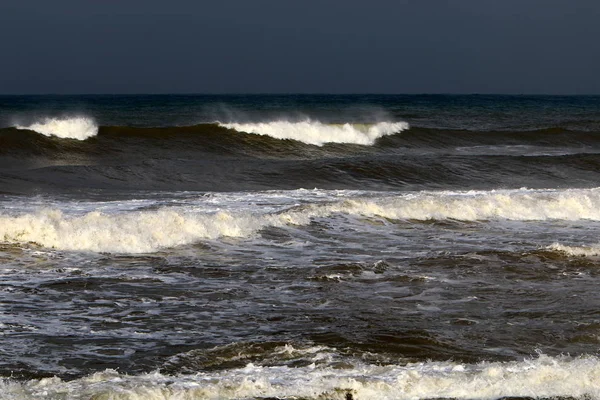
(543,377)
(148,231)
(137,232)
(576,251)
(318,133)
(79,128)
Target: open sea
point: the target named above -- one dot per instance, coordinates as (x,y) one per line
(299,247)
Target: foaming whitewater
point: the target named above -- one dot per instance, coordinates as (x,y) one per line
(136,232)
(148,230)
(318,133)
(543,377)
(577,251)
(79,128)
(515,205)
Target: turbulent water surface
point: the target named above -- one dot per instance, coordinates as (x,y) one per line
(299,247)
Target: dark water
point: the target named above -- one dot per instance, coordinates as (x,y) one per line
(314,247)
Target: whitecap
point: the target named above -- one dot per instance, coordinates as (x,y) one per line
(79,128)
(318,133)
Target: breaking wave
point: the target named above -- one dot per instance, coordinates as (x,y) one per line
(308,131)
(137,232)
(516,205)
(542,377)
(577,251)
(79,128)
(150,230)
(318,133)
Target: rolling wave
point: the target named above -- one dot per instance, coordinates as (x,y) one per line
(213,157)
(278,138)
(151,230)
(314,133)
(308,132)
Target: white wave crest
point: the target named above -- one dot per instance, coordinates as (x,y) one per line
(318,133)
(578,251)
(135,232)
(79,128)
(544,377)
(150,230)
(515,205)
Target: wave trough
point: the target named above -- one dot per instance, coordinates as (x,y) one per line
(79,128)
(318,133)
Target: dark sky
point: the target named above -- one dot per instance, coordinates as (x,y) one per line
(324,46)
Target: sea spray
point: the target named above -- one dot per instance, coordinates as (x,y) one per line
(318,133)
(79,128)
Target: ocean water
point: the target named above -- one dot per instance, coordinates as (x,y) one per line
(299,247)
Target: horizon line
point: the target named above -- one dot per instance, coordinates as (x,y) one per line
(294,94)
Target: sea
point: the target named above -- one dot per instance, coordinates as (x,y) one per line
(347,247)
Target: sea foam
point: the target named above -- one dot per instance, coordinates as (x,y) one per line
(79,128)
(136,232)
(514,205)
(318,133)
(577,251)
(151,230)
(543,377)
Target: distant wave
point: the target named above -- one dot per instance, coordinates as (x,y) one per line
(318,133)
(315,133)
(308,132)
(79,128)
(180,158)
(151,230)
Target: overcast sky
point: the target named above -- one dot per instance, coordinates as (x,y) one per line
(308,46)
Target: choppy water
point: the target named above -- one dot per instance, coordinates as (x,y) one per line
(314,247)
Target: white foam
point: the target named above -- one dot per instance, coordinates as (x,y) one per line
(543,377)
(516,205)
(318,133)
(79,128)
(578,251)
(135,232)
(139,231)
